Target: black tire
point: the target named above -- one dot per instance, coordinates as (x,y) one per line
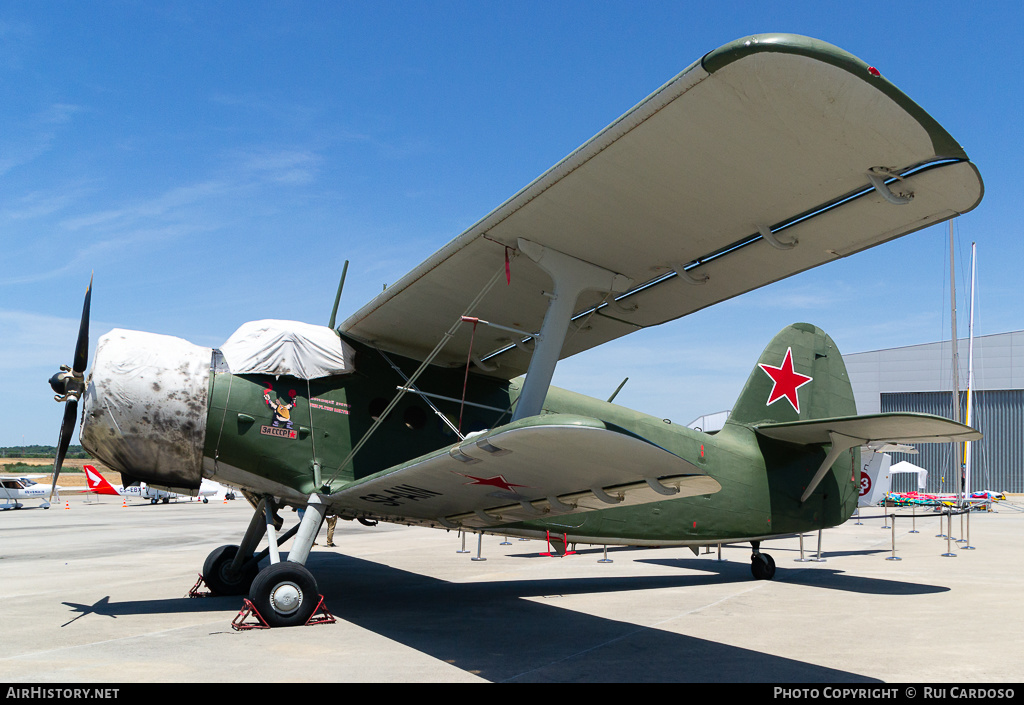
(762,566)
(220,580)
(285,594)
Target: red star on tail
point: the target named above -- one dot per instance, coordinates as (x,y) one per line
(785,381)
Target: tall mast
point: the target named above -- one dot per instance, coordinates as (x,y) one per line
(970,378)
(957,459)
(953,331)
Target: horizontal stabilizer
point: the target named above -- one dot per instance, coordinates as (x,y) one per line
(536,468)
(896,427)
(844,433)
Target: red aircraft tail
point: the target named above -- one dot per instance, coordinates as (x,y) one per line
(97,483)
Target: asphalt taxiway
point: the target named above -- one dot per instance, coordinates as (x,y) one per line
(96,593)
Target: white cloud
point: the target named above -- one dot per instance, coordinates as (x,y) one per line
(51,339)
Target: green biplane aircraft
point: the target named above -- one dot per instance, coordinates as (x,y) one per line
(432,404)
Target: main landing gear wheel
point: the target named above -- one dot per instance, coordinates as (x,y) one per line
(762,566)
(221,579)
(285,594)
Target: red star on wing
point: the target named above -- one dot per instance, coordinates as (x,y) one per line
(496,481)
(785,381)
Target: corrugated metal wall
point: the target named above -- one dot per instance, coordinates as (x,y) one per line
(997,461)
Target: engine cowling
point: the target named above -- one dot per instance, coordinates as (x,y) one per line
(146,407)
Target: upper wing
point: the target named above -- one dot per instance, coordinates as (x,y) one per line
(535,468)
(697,194)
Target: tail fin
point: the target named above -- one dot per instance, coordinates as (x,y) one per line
(799,377)
(97,483)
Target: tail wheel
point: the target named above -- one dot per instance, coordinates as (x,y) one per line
(762,566)
(221,579)
(285,594)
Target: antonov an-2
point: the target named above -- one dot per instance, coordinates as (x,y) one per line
(431,405)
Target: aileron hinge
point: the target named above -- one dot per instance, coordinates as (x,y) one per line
(605,497)
(774,240)
(655,485)
(877,176)
(686,276)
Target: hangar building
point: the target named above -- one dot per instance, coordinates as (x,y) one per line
(919,378)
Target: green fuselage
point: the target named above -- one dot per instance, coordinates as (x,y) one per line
(295,435)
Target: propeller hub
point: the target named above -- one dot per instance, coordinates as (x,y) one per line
(68,384)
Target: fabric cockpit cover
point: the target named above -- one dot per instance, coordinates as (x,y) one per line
(290,348)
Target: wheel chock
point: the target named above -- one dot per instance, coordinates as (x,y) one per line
(194,592)
(321,615)
(548,553)
(565,543)
(248,609)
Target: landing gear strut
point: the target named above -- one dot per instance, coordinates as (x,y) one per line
(230,570)
(762,566)
(284,593)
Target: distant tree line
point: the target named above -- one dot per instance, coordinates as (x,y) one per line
(41,452)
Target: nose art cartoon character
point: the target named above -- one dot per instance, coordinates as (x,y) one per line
(281,409)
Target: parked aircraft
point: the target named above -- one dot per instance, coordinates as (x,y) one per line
(768,156)
(99,485)
(22,487)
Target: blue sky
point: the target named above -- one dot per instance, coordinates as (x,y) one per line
(217,162)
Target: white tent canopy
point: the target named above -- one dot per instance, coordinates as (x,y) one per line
(904,466)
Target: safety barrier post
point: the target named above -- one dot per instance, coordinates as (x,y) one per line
(967,540)
(479,546)
(949,536)
(819,559)
(801,559)
(893,557)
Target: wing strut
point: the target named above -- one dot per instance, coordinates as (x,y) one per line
(411,381)
(840,444)
(413,388)
(571,277)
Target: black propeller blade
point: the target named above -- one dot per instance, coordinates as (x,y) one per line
(67,429)
(69,384)
(82,346)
